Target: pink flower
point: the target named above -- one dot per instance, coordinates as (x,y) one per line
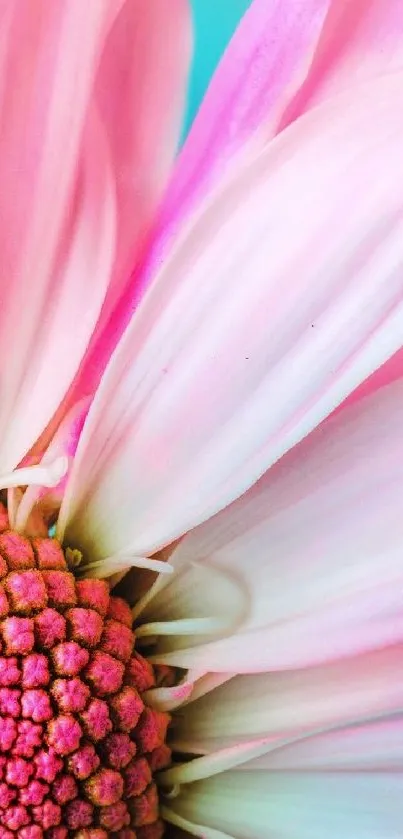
(218,335)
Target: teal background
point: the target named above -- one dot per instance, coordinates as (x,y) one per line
(214,22)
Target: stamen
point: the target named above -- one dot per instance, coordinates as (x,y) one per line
(173,793)
(206,683)
(216,588)
(103,568)
(220,761)
(45,475)
(185,626)
(146,599)
(190,827)
(14,495)
(167,699)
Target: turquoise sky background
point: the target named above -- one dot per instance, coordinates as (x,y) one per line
(214,23)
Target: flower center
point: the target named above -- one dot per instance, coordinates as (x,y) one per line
(78,744)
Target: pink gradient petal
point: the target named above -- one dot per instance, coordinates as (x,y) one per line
(141,98)
(268,55)
(359,42)
(283,59)
(48,59)
(270,50)
(376,745)
(84,157)
(282,296)
(386,374)
(292,703)
(316,545)
(140,95)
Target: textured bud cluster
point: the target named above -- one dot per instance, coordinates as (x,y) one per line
(78,746)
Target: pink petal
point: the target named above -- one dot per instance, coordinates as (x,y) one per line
(376,745)
(283,59)
(84,152)
(56,206)
(276,304)
(268,55)
(140,93)
(316,545)
(322,748)
(359,42)
(293,703)
(143,68)
(271,49)
(386,374)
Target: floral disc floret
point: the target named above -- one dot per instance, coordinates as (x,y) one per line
(78,745)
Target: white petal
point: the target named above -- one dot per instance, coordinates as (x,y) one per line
(342,755)
(317,545)
(284,294)
(284,704)
(373,746)
(259,804)
(355,747)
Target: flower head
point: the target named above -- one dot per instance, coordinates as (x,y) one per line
(78,743)
(249,533)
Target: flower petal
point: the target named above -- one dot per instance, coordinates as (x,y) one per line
(387,373)
(375,745)
(317,546)
(270,49)
(285,704)
(360,774)
(144,66)
(359,41)
(327,748)
(294,805)
(282,60)
(57,228)
(194,608)
(244,343)
(269,53)
(83,84)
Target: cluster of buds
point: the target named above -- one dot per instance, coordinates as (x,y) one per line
(78,745)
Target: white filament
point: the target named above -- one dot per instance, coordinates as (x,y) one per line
(195,829)
(44,475)
(167,699)
(146,599)
(113,564)
(184,626)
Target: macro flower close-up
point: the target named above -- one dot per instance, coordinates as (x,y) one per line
(201,412)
